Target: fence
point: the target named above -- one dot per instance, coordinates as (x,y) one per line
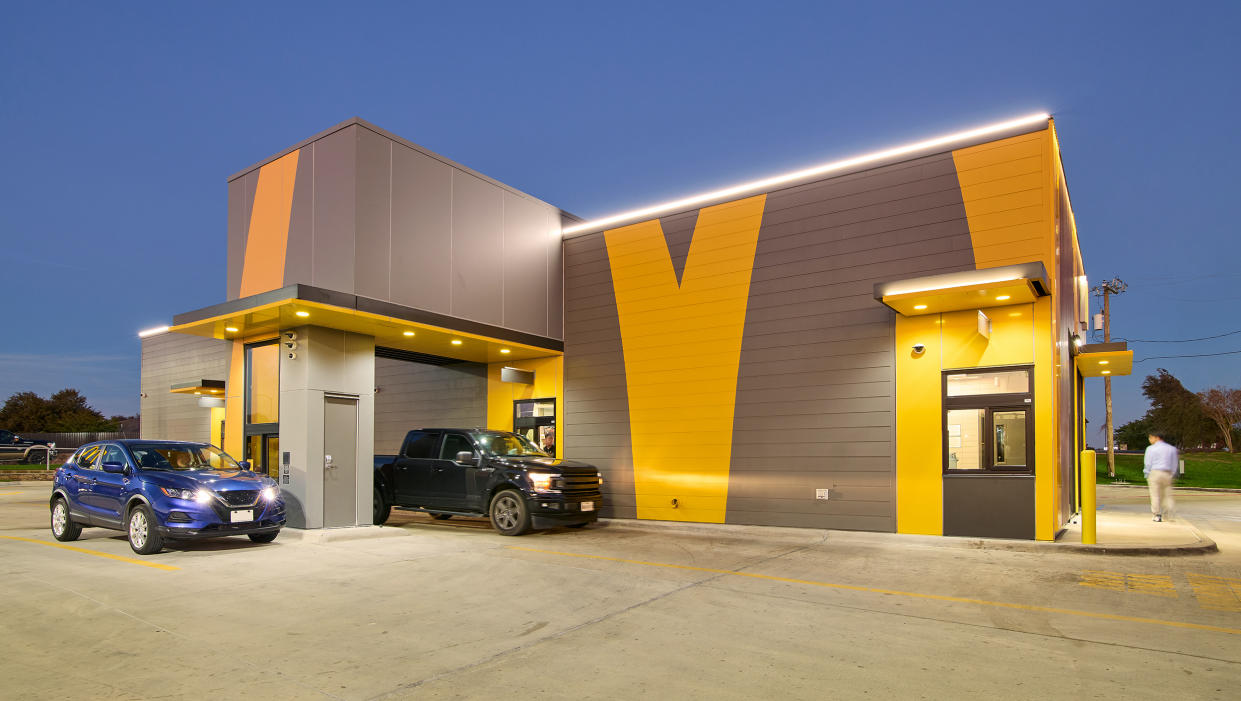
(73,441)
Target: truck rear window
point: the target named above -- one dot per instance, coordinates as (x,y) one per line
(420,444)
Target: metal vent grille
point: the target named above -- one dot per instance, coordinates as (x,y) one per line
(413,357)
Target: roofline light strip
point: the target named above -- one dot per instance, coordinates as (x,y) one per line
(689,202)
(951,286)
(152,332)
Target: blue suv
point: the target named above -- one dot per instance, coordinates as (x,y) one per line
(155,490)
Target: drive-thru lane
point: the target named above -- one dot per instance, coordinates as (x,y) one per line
(451,609)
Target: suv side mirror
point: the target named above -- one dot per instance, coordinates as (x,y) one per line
(114,467)
(245,465)
(465,457)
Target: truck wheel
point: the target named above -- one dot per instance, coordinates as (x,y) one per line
(36,456)
(441,517)
(382,509)
(63,527)
(509,515)
(143,538)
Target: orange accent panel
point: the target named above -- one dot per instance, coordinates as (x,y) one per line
(268,236)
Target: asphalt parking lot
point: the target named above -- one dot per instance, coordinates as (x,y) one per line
(449,609)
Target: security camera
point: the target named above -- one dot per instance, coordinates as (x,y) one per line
(291,345)
(919,348)
(292,356)
(290,335)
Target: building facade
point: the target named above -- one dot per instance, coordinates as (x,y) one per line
(888,343)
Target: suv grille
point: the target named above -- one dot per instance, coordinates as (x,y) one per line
(585,485)
(239,497)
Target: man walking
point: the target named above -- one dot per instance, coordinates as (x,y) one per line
(1160,466)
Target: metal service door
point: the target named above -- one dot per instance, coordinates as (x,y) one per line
(340,469)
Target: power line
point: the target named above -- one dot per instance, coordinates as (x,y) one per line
(1197,355)
(1186,340)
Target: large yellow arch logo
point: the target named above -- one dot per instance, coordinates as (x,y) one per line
(682,346)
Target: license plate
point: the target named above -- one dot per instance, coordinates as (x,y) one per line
(588,506)
(242,515)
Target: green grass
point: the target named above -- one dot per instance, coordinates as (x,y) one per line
(1201,470)
(39,466)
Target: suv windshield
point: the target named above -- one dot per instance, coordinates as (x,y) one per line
(507,444)
(181,457)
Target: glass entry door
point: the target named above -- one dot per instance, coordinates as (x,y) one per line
(536,420)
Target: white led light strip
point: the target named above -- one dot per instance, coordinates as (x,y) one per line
(152,332)
(767,183)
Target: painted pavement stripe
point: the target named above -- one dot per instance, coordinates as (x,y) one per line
(110,556)
(893,592)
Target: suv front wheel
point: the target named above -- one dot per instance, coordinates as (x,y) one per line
(63,527)
(509,514)
(144,537)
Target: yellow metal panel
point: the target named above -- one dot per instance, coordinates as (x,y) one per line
(682,347)
(919,444)
(548,382)
(1046,428)
(234,402)
(1011,342)
(268,235)
(1003,185)
(217,416)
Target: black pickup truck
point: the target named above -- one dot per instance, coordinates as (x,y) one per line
(14,449)
(475,472)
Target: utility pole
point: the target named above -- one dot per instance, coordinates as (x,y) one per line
(1105,290)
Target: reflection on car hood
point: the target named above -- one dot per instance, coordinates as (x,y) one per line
(568,467)
(218,480)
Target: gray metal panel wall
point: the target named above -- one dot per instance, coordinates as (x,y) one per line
(416,395)
(377,217)
(987,506)
(173,358)
(421,186)
(815,390)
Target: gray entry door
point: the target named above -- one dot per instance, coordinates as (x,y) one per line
(340,469)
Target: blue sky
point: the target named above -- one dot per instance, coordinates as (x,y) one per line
(120,121)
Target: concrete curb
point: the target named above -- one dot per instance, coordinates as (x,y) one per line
(1202,546)
(1131,485)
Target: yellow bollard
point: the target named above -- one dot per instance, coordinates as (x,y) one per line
(1088,497)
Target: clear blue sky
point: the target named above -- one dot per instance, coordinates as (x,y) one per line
(120,121)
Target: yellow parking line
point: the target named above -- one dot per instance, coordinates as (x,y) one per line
(110,556)
(893,592)
(9,494)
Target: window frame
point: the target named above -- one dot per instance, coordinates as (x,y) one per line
(269,427)
(989,403)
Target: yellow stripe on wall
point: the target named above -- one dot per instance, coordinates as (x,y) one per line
(268,235)
(682,347)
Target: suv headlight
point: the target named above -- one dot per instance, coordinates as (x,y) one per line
(270,493)
(542,482)
(201,496)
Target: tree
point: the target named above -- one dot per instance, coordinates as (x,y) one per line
(1223,406)
(66,411)
(1134,433)
(1175,411)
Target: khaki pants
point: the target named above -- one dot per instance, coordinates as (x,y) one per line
(1160,483)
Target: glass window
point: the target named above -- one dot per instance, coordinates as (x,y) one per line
(498,443)
(6,437)
(968,384)
(86,457)
(455,443)
(113,453)
(1009,448)
(965,439)
(181,457)
(263,391)
(421,444)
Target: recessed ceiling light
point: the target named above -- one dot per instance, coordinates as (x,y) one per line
(1107,372)
(302,314)
(456,341)
(198,393)
(1002,298)
(409,333)
(231,329)
(505,350)
(1014,313)
(1104,362)
(919,306)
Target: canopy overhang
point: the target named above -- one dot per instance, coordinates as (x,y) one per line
(968,289)
(1104,360)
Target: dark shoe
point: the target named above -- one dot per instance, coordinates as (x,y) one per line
(1158,517)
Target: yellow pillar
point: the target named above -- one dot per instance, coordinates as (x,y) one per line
(1088,501)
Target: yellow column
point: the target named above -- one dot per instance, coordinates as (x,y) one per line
(1088,497)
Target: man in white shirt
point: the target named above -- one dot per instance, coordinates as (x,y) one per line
(1160,466)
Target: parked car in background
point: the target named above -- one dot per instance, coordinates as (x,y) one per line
(495,474)
(13,448)
(158,490)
